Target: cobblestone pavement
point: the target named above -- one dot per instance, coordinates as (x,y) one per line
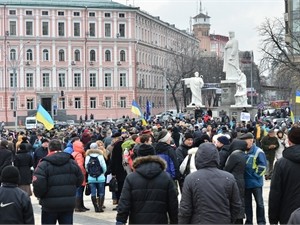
(108,216)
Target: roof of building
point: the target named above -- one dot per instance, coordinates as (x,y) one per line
(67,3)
(201,15)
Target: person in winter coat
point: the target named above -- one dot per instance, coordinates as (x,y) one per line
(210,195)
(6,156)
(188,165)
(282,138)
(16,207)
(236,164)
(295,217)
(96,184)
(23,161)
(79,156)
(222,144)
(284,196)
(148,195)
(182,150)
(40,152)
(55,181)
(85,137)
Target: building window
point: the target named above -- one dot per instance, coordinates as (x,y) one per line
(77,103)
(13,80)
(92,80)
(77,80)
(12,103)
(122,15)
(61,55)
(29,80)
(122,79)
(107,30)
(12,28)
(45,13)
(62,103)
(92,56)
(107,102)
(76,29)
(92,14)
(45,55)
(107,79)
(45,27)
(61,13)
(107,15)
(77,55)
(29,13)
(61,29)
(12,12)
(76,13)
(29,103)
(121,30)
(29,55)
(92,30)
(62,80)
(92,102)
(107,56)
(46,80)
(29,27)
(13,54)
(122,56)
(123,102)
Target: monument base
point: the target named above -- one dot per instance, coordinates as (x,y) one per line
(241,106)
(229,81)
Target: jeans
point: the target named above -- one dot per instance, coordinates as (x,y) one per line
(60,217)
(79,192)
(260,209)
(97,189)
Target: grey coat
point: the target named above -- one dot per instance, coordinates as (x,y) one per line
(210,195)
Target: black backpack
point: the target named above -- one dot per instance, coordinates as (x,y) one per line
(94,168)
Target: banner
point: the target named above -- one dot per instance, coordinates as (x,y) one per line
(245,116)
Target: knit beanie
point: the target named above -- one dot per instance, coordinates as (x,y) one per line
(163,136)
(93,146)
(10,174)
(294,135)
(188,135)
(145,150)
(224,140)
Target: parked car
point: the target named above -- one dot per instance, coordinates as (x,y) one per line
(89,123)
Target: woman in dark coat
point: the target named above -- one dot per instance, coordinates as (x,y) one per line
(23,161)
(235,165)
(149,194)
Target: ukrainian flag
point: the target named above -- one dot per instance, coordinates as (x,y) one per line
(297,96)
(44,117)
(135,109)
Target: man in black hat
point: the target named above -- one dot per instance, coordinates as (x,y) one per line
(284,196)
(15,204)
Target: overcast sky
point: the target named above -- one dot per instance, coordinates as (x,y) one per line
(241,16)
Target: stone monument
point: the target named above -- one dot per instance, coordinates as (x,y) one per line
(195,84)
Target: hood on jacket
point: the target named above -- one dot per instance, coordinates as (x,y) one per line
(149,166)
(94,151)
(292,153)
(58,159)
(162,147)
(207,155)
(78,146)
(238,144)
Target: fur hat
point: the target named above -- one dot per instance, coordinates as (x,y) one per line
(145,150)
(224,140)
(294,135)
(10,174)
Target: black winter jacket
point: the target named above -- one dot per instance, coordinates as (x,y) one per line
(55,181)
(6,158)
(284,196)
(39,153)
(148,195)
(23,161)
(223,153)
(116,162)
(16,206)
(182,152)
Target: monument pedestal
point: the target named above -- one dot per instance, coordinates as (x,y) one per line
(228,92)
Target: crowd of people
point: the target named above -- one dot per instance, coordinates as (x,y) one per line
(215,168)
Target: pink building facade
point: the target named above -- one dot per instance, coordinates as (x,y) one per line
(79,59)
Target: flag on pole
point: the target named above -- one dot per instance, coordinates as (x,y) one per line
(135,109)
(297,96)
(44,117)
(148,111)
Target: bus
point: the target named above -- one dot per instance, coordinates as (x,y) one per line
(32,123)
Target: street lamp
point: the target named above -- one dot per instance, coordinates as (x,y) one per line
(251,81)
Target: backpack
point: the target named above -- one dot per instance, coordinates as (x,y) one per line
(170,164)
(94,168)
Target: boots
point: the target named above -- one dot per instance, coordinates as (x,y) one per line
(78,207)
(82,206)
(95,203)
(100,204)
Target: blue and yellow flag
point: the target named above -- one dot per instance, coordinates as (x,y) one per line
(135,109)
(297,96)
(44,117)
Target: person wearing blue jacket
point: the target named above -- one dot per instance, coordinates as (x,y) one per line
(96,184)
(256,164)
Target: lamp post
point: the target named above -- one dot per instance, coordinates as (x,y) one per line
(251,81)
(165,91)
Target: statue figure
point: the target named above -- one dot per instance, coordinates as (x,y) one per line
(231,58)
(241,89)
(195,84)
